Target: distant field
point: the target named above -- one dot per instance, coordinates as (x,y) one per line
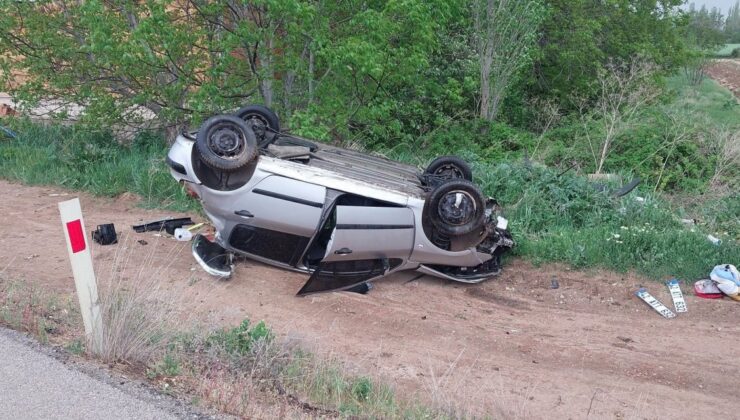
(709,99)
(727,49)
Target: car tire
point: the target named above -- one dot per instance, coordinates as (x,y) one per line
(456,208)
(226,143)
(450,167)
(262,120)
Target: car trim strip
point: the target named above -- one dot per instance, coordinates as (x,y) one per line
(371,227)
(176,166)
(287,198)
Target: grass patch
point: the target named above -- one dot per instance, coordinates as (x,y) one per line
(726,50)
(708,100)
(233,366)
(563,218)
(26,308)
(91,161)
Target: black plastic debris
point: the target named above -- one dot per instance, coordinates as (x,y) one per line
(361,288)
(168,225)
(105,234)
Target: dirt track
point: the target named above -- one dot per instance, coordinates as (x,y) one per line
(727,73)
(511,346)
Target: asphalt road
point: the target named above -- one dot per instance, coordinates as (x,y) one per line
(34,385)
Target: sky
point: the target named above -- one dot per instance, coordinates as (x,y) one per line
(723,5)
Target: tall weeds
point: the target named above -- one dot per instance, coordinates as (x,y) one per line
(140,316)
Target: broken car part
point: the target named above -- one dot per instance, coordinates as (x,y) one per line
(168,225)
(343,216)
(105,234)
(215,260)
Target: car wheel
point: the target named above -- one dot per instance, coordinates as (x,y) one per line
(450,167)
(456,208)
(262,120)
(226,143)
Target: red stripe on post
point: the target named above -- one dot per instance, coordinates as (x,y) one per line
(76,236)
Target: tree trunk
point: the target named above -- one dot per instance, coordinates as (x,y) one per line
(266,76)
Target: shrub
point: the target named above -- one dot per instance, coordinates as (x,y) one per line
(489,141)
(562,217)
(240,340)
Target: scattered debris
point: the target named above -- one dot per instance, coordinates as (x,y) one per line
(678,301)
(707,289)
(713,239)
(186,234)
(142,242)
(362,288)
(654,303)
(7,110)
(727,279)
(8,132)
(105,234)
(212,257)
(168,225)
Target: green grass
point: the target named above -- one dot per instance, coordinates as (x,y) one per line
(726,50)
(271,366)
(92,162)
(562,218)
(709,100)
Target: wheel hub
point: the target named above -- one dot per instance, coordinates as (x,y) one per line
(457,208)
(226,142)
(258,125)
(449,171)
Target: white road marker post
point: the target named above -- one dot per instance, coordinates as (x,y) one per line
(82,269)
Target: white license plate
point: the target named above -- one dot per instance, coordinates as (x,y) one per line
(654,303)
(678,301)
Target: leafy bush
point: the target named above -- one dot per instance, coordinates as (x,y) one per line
(562,217)
(239,340)
(488,141)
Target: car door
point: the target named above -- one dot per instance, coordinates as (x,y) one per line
(276,218)
(367,242)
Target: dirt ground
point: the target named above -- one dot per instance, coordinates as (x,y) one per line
(727,73)
(510,347)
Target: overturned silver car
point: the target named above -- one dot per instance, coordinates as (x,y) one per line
(345,217)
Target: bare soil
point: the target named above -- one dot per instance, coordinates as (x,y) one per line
(727,73)
(510,347)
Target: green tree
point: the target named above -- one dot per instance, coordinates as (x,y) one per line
(340,65)
(505,34)
(704,30)
(732,24)
(580,36)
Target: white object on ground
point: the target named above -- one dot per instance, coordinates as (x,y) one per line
(82,269)
(654,303)
(713,239)
(183,235)
(678,301)
(727,278)
(502,223)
